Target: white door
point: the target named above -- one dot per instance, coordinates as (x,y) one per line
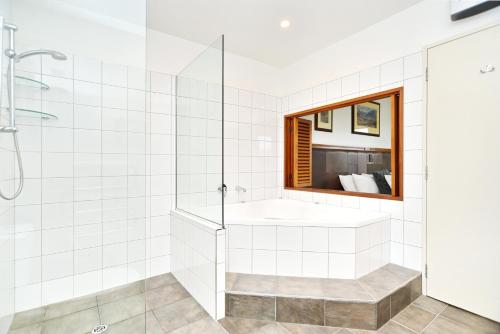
(463,159)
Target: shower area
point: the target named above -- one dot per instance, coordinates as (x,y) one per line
(90,238)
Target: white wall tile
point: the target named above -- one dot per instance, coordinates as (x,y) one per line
(342,240)
(240,260)
(289,263)
(315,239)
(315,264)
(342,266)
(391,72)
(87,69)
(263,262)
(413,66)
(264,237)
(57,265)
(350,84)
(369,78)
(289,238)
(240,236)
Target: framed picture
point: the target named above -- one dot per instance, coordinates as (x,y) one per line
(366,119)
(323,121)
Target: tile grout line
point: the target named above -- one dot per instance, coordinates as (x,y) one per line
(435,317)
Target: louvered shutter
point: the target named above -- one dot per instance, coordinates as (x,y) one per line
(302,153)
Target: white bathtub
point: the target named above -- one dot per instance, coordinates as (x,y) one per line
(294,238)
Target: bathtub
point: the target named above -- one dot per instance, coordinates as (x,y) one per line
(293,238)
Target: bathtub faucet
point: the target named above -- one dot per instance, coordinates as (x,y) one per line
(240,188)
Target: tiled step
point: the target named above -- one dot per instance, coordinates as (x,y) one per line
(364,303)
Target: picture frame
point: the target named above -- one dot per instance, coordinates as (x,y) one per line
(365,119)
(323,121)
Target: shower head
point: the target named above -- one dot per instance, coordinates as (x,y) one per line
(53,53)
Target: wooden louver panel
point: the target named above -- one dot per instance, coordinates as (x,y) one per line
(302,153)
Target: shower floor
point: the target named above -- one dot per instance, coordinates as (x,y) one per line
(159,302)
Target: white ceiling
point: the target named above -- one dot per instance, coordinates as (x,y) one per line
(252,27)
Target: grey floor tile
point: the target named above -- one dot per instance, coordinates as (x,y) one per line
(402,273)
(159,281)
(254,284)
(26,318)
(479,324)
(31,329)
(380,283)
(337,289)
(165,295)
(134,325)
(251,326)
(446,326)
(179,314)
(76,323)
(300,287)
(230,279)
(308,329)
(414,318)
(70,306)
(120,292)
(205,325)
(394,328)
(152,324)
(122,309)
(140,324)
(429,304)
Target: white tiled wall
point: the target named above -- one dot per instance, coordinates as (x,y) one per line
(406,222)
(198,260)
(95,210)
(308,251)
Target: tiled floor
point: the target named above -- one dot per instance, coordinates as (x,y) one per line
(424,315)
(161,305)
(156,306)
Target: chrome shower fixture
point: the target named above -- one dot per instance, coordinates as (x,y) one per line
(53,53)
(14,58)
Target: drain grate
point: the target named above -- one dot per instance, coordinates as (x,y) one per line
(99,329)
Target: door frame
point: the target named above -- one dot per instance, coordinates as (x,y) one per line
(425,55)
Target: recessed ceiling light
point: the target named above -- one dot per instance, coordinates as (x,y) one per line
(284,24)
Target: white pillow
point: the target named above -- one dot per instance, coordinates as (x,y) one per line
(365,183)
(347,182)
(388,178)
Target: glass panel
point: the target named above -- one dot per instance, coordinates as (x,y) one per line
(81,94)
(7,184)
(199,126)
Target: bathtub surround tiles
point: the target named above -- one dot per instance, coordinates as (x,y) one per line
(198,260)
(308,251)
(95,211)
(415,318)
(407,216)
(368,304)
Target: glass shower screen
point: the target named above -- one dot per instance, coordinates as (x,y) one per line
(199,135)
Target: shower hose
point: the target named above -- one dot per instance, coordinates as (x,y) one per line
(18,153)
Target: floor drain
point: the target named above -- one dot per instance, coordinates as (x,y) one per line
(99,329)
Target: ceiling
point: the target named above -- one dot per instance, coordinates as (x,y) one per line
(252,27)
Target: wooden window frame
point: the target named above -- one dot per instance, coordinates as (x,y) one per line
(396,95)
